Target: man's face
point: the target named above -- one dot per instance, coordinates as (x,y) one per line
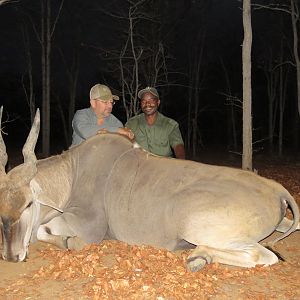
(149,104)
(102,108)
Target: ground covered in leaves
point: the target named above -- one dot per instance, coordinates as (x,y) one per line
(115,270)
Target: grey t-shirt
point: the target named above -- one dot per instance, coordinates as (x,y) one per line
(85,125)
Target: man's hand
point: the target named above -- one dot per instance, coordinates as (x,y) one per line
(127,132)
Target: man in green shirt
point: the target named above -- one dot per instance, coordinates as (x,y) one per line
(152,130)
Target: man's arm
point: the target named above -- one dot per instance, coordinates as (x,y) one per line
(176,142)
(82,126)
(179,151)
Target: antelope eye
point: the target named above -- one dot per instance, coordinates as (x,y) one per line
(29,204)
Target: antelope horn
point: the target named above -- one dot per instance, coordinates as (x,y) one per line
(3,154)
(28,149)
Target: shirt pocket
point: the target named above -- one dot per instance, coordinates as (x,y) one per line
(161,146)
(161,142)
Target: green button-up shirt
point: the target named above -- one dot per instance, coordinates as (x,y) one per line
(159,138)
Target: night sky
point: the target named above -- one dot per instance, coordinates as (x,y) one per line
(190,30)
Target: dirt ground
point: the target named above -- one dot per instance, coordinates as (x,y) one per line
(115,270)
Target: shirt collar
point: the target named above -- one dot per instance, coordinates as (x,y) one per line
(157,121)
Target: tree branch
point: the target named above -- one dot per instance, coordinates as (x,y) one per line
(275,7)
(57,17)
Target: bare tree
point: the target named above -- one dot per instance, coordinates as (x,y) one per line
(46,35)
(293,11)
(233,103)
(295,20)
(141,58)
(247,93)
(283,80)
(196,80)
(28,88)
(276,72)
(67,113)
(272,77)
(139,63)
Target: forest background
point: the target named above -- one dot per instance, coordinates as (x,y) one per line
(52,52)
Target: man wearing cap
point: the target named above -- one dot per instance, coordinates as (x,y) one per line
(98,117)
(152,130)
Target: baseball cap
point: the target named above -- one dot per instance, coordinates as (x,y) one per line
(148,89)
(103,92)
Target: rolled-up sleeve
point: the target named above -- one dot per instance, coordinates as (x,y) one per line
(175,137)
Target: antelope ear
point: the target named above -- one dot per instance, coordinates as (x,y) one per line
(41,198)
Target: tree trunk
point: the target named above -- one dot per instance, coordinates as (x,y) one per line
(294,17)
(283,81)
(196,107)
(282,100)
(232,143)
(272,81)
(67,113)
(46,51)
(71,109)
(296,128)
(29,93)
(189,113)
(247,94)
